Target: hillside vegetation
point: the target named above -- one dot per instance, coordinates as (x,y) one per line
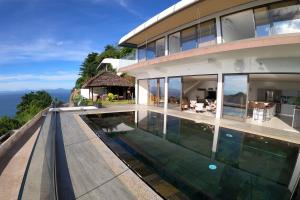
(30,105)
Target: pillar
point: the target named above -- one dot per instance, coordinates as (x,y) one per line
(92,94)
(219,31)
(295,177)
(166,46)
(165,124)
(216,138)
(166,95)
(136,85)
(219,96)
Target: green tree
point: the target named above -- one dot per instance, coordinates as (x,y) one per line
(31,104)
(7,124)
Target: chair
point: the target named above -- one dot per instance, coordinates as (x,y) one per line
(199,107)
(259,112)
(184,104)
(193,104)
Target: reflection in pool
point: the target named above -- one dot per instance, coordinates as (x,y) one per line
(181,159)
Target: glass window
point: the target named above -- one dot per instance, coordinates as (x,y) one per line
(207,33)
(160,47)
(174,43)
(285,17)
(156,92)
(152,92)
(161,86)
(150,51)
(238,26)
(235,95)
(189,38)
(262,22)
(174,93)
(142,53)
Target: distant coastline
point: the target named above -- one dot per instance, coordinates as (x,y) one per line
(10,99)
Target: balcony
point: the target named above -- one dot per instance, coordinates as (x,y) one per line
(266,26)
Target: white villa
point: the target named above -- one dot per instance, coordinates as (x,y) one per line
(236,59)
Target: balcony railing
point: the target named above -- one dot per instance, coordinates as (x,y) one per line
(129,59)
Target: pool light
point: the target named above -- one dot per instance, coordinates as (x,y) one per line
(212,167)
(229,135)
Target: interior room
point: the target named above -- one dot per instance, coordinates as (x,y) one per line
(274,100)
(199,94)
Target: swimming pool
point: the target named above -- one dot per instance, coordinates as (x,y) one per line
(181,159)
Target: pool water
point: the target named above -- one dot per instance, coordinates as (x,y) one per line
(179,159)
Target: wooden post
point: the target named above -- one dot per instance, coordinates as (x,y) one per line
(92,94)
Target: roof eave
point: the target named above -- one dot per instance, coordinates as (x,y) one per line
(157,18)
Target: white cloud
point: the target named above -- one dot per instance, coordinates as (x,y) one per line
(60,79)
(59,76)
(122,3)
(44,49)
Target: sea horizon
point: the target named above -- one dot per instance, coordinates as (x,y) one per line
(10,99)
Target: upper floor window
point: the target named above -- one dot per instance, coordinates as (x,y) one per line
(160,47)
(272,19)
(282,17)
(189,38)
(142,53)
(207,33)
(174,43)
(238,26)
(150,52)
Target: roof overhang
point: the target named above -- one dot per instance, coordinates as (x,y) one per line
(181,13)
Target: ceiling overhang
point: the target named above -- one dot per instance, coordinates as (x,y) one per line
(175,16)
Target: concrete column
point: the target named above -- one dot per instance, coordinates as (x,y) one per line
(165,125)
(166,46)
(135,116)
(219,31)
(219,96)
(166,94)
(216,138)
(295,177)
(136,88)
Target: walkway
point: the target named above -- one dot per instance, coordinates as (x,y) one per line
(95,172)
(12,174)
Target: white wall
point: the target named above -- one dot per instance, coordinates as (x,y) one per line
(85,93)
(143,92)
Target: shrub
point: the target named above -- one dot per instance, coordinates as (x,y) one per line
(7,124)
(111,97)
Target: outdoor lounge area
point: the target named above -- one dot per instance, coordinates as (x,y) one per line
(196,94)
(199,94)
(106,82)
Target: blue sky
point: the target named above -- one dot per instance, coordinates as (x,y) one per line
(43,42)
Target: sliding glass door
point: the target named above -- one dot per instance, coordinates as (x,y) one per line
(156,91)
(235,96)
(174,93)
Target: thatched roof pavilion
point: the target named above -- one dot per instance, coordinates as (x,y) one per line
(106,79)
(111,81)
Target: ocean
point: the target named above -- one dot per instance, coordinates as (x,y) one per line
(9,100)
